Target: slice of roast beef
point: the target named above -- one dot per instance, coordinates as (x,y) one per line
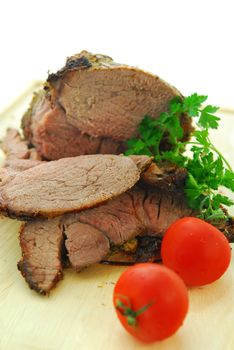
(13,167)
(126,229)
(133,222)
(138,212)
(42,244)
(6,175)
(103,98)
(66,185)
(15,147)
(98,234)
(20,165)
(94,105)
(18,156)
(86,245)
(47,128)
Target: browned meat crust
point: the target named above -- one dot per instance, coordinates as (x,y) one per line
(166,176)
(41,263)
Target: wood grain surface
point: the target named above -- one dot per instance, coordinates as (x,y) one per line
(78,314)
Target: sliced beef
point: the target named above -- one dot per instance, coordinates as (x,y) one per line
(20,165)
(142,162)
(86,245)
(136,213)
(116,218)
(6,175)
(13,146)
(69,184)
(103,98)
(105,233)
(18,156)
(94,105)
(165,176)
(126,229)
(42,243)
(47,128)
(13,167)
(134,223)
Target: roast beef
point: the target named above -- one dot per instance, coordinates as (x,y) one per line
(69,184)
(140,211)
(94,105)
(97,234)
(47,128)
(18,156)
(15,147)
(126,229)
(165,176)
(14,167)
(86,245)
(130,222)
(42,244)
(19,165)
(108,99)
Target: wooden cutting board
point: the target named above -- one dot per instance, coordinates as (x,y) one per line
(79,314)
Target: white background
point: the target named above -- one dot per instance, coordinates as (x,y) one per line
(188,43)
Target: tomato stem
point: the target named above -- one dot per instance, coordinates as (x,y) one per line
(130,314)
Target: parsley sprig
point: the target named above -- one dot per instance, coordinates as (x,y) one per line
(207,168)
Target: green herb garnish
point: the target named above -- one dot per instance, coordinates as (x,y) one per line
(207,168)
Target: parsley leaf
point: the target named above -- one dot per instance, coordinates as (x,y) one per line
(228,180)
(191,104)
(208,120)
(207,168)
(201,137)
(219,199)
(194,192)
(217,214)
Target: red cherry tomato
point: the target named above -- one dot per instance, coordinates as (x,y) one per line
(151,301)
(196,250)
